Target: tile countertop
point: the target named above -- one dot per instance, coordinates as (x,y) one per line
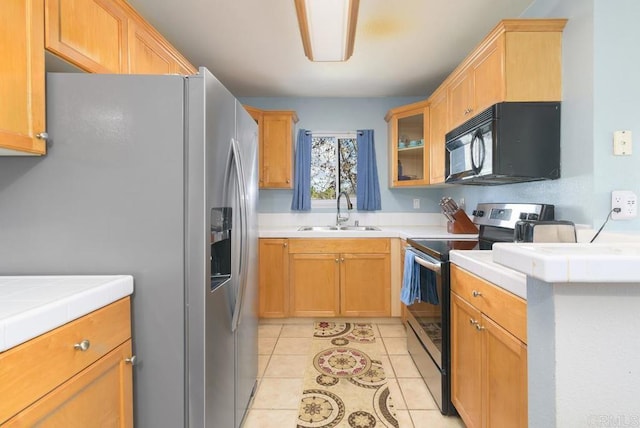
(582,262)
(404,232)
(33,305)
(480,263)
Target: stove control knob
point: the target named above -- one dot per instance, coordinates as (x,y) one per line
(523,216)
(532,216)
(480,213)
(475,212)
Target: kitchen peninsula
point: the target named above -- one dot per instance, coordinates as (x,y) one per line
(582,318)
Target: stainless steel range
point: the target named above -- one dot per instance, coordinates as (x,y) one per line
(428,324)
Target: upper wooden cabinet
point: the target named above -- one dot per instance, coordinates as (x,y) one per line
(409,145)
(276,149)
(109,36)
(91,34)
(94,35)
(150,53)
(438,110)
(520,60)
(22,109)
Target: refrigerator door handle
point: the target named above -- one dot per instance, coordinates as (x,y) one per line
(243,267)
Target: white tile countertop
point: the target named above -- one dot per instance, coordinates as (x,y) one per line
(404,232)
(391,225)
(480,263)
(33,305)
(582,262)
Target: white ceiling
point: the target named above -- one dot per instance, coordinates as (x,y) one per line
(402,47)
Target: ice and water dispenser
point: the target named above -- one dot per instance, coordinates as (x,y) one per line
(220,246)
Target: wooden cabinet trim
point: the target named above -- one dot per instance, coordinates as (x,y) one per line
(344,245)
(32,369)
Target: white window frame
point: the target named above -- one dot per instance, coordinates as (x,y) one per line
(331,203)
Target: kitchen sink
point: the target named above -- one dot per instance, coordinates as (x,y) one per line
(316,228)
(359,228)
(336,228)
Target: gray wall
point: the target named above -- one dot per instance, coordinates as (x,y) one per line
(600,95)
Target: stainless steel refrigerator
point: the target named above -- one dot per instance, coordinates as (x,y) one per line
(154,176)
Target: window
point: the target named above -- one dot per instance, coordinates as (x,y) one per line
(333,166)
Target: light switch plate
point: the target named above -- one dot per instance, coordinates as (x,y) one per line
(622,144)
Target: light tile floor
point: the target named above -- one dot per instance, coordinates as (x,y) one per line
(284,346)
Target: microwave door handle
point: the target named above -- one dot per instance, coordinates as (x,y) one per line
(482,151)
(474,167)
(477,138)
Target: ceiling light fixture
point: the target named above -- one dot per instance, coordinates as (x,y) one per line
(328,28)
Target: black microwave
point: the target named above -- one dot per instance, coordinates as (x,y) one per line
(509,142)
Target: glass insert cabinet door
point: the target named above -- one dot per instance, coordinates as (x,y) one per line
(409,145)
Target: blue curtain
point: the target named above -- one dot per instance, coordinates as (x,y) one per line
(368,187)
(302,173)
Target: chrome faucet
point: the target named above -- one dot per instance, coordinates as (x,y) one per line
(339,218)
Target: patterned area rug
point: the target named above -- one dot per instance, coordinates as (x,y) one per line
(345,384)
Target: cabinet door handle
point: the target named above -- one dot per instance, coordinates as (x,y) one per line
(82,346)
(288,181)
(472,321)
(342,259)
(42,136)
(131,360)
(475,293)
(337,260)
(479,327)
(285,244)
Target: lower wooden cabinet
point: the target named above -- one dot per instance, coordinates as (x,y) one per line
(488,357)
(365,285)
(322,277)
(315,285)
(49,381)
(273,278)
(347,277)
(99,396)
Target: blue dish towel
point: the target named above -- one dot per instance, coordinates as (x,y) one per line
(428,287)
(417,284)
(410,291)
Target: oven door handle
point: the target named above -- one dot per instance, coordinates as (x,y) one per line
(431,266)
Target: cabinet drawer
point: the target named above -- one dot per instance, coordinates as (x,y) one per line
(32,369)
(506,309)
(329,245)
(468,286)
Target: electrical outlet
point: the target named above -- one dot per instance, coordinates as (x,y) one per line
(416,204)
(627,201)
